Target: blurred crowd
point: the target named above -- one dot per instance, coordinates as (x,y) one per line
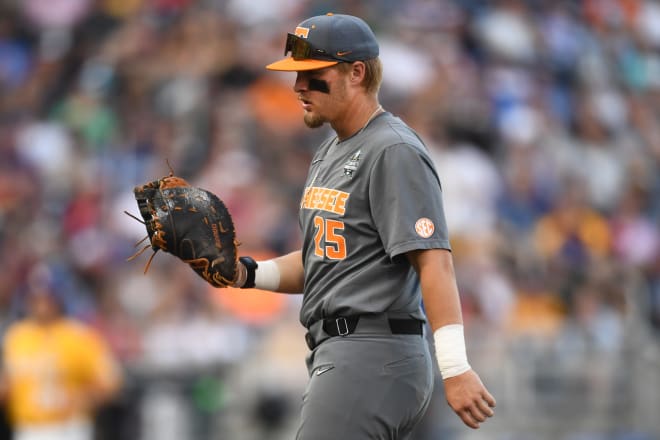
(543,118)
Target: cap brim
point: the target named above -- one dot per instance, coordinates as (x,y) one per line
(289,64)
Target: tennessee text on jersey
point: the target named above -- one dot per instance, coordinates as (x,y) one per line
(325,199)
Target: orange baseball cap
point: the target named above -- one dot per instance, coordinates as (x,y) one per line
(325,40)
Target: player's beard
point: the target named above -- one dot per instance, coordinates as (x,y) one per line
(313,120)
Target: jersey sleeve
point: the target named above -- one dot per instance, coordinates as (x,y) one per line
(406,201)
(100,367)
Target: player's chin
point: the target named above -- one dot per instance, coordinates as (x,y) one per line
(313,120)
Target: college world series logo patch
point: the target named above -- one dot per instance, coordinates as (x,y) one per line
(424,227)
(351,165)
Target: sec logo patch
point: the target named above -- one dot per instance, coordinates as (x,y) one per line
(424,227)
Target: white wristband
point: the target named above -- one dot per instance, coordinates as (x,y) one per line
(450,350)
(267,275)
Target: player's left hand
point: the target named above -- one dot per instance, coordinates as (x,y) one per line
(469,398)
(192,224)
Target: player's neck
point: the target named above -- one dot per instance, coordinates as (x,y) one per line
(46,321)
(356,118)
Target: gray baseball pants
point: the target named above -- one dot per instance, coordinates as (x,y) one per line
(366,386)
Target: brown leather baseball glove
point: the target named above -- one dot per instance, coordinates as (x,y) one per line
(190,223)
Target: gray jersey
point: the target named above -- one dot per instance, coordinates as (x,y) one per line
(367,201)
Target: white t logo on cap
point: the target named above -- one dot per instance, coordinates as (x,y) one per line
(302,32)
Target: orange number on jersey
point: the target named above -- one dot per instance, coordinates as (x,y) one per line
(335,248)
(318,237)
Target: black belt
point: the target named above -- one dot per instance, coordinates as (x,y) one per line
(345,325)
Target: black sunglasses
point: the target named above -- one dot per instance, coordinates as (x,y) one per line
(301,49)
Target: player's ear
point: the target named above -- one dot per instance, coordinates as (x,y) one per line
(357,72)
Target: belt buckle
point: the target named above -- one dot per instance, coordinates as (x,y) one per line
(339,326)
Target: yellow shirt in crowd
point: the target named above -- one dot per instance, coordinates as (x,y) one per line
(51,369)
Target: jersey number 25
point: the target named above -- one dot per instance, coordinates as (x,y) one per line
(328,241)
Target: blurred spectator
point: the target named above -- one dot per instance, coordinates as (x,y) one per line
(56,371)
(572,235)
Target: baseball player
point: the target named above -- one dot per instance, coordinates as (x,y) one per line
(56,371)
(375,244)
